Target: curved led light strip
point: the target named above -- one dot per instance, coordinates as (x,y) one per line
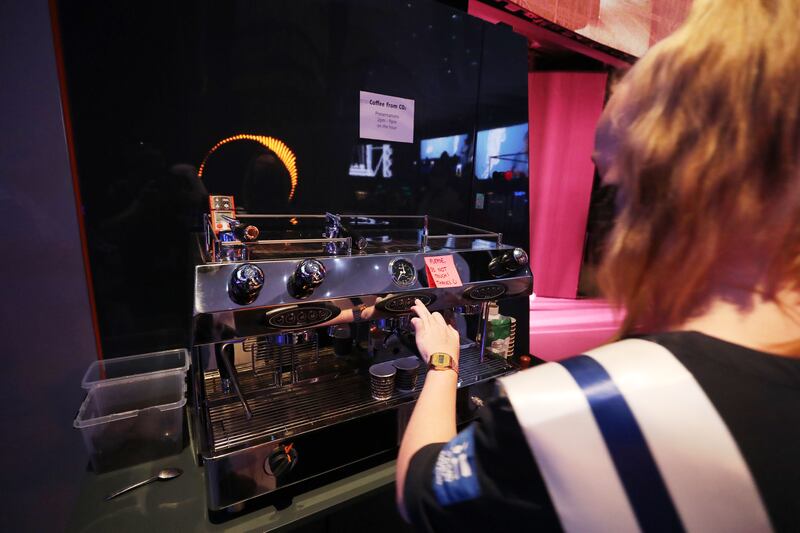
(277,146)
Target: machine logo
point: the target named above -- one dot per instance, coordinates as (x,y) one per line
(486,292)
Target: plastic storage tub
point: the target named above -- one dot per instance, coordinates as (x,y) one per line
(129,417)
(142,366)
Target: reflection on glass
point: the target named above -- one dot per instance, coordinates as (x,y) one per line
(369,159)
(502,150)
(276,146)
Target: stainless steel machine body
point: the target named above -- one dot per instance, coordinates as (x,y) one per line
(285,328)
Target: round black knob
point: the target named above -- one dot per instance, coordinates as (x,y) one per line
(507,262)
(281,461)
(245,284)
(308,275)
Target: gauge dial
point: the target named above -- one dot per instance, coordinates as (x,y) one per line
(402,272)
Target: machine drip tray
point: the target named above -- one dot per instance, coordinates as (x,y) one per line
(290,411)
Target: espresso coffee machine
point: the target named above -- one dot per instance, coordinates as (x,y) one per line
(291,311)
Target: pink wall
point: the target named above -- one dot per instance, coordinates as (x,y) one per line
(563,111)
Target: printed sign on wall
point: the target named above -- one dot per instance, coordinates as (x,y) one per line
(386,118)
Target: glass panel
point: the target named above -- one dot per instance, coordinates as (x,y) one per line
(260,100)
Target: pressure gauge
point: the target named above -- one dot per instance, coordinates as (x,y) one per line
(402,272)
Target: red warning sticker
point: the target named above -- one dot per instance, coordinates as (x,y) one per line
(442,272)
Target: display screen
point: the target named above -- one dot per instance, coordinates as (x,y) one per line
(453,146)
(451,153)
(502,150)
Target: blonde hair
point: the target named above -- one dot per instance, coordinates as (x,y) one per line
(706,153)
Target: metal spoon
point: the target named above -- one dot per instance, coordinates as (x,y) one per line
(163,475)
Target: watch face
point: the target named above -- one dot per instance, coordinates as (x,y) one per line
(402,272)
(440,359)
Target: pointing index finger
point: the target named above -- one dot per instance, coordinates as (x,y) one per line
(421,311)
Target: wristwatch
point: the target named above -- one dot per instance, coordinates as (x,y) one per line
(442,361)
(357,312)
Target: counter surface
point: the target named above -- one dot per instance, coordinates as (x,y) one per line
(179,504)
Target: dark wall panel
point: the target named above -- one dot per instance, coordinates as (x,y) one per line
(46,323)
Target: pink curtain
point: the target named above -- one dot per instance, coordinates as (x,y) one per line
(563,111)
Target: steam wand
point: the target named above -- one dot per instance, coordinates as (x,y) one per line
(228,376)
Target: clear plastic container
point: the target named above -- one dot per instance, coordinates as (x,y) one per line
(136,366)
(129,421)
(133,411)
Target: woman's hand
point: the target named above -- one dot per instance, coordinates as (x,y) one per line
(433,334)
(370,311)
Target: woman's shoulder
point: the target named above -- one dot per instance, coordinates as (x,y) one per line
(714,359)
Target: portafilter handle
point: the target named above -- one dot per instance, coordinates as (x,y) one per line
(407,339)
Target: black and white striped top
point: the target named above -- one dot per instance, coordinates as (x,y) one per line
(487,478)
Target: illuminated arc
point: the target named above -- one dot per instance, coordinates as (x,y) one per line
(277,146)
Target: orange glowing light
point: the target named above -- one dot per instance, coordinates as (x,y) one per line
(277,146)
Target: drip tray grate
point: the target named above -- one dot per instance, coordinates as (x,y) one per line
(290,410)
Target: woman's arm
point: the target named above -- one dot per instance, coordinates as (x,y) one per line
(434,416)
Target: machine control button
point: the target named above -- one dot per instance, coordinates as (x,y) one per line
(308,275)
(245,284)
(403,302)
(508,262)
(298,317)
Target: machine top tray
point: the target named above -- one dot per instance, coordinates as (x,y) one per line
(287,236)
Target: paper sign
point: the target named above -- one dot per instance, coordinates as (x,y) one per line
(386,118)
(441,271)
